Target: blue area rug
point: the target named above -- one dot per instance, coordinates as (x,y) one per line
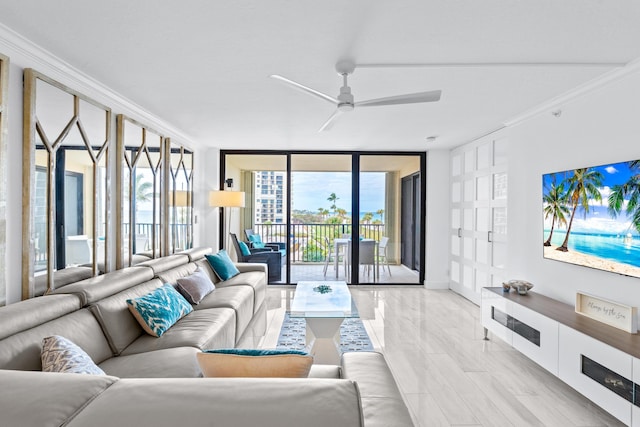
(353,335)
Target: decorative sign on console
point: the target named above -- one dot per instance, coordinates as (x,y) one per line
(618,315)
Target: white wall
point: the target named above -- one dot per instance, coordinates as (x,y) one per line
(598,128)
(437,237)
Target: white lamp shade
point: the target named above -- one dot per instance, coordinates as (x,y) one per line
(226,199)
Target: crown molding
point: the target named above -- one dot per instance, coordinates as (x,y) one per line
(577,92)
(47,63)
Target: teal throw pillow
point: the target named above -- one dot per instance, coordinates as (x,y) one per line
(244,248)
(256,241)
(222,265)
(61,355)
(255,352)
(159,310)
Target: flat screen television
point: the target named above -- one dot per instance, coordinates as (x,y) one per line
(592,217)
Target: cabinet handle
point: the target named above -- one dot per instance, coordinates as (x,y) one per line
(489,236)
(459,232)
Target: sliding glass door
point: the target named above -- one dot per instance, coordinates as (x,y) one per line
(353,217)
(390,218)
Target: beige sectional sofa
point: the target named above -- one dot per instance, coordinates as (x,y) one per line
(155,381)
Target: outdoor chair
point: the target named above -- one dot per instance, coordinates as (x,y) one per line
(367,255)
(330,255)
(272,258)
(382,253)
(255,241)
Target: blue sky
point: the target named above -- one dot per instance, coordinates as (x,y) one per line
(310,190)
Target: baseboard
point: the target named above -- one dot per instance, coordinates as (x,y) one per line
(436,285)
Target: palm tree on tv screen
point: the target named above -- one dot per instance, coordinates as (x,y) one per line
(556,207)
(582,187)
(630,189)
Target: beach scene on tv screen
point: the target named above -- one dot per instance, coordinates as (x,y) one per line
(592,217)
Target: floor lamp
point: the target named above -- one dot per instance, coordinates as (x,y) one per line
(227,200)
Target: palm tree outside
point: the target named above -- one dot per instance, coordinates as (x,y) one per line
(333,198)
(555,201)
(582,187)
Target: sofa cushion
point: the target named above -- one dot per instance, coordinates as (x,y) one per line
(225,402)
(212,328)
(157,311)
(239,298)
(172,276)
(119,325)
(162,264)
(255,279)
(45,398)
(23,350)
(29,313)
(61,355)
(238,362)
(196,254)
(179,362)
(195,286)
(222,265)
(381,399)
(105,285)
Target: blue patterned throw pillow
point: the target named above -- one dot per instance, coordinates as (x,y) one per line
(244,248)
(61,355)
(222,265)
(159,310)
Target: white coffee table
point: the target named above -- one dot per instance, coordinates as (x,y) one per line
(324,306)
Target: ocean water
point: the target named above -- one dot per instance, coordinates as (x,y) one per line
(607,246)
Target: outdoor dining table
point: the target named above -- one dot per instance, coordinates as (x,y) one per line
(342,242)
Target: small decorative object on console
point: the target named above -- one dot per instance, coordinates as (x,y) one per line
(521,286)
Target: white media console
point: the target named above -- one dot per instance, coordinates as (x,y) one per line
(599,361)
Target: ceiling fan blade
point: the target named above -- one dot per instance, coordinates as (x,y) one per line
(305,89)
(411,98)
(329,123)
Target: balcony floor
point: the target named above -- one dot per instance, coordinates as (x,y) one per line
(312,271)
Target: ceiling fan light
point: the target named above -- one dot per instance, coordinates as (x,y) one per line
(345,106)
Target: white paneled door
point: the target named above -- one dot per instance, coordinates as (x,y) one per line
(478,216)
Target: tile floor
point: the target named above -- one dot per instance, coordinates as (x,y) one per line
(447,374)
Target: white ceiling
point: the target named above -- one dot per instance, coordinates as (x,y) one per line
(203,65)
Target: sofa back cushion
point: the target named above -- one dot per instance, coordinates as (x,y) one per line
(195,254)
(160,265)
(22,351)
(30,313)
(119,325)
(99,287)
(172,275)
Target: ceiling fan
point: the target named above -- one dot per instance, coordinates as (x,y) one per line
(345,102)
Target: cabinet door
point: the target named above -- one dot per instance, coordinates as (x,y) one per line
(635,409)
(495,311)
(598,371)
(536,336)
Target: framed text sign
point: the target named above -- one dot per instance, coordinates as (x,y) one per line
(612,313)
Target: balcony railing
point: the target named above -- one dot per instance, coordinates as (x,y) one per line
(307,242)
